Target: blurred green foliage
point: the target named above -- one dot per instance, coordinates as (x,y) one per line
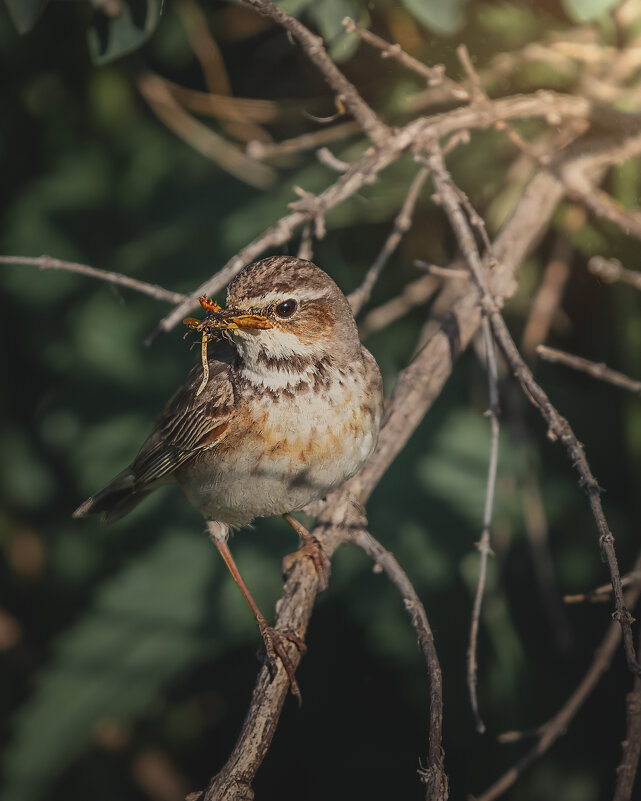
(132,638)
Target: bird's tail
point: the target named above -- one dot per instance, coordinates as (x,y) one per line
(116,500)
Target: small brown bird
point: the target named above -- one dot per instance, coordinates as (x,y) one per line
(286,416)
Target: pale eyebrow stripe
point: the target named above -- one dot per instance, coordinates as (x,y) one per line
(299,295)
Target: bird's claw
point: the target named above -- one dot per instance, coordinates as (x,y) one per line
(311,548)
(276,649)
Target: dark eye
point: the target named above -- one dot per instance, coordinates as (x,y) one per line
(286,308)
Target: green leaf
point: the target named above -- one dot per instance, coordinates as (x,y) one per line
(112,37)
(444,18)
(24,13)
(586,10)
(145,626)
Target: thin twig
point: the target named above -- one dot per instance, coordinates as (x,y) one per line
(557,726)
(536,525)
(445,272)
(49,263)
(314,48)
(597,370)
(603,592)
(433,774)
(305,248)
(611,271)
(212,65)
(416,293)
(435,76)
(359,297)
(558,427)
(207,142)
(547,300)
(328,159)
(297,144)
(483,545)
(231,109)
(631,745)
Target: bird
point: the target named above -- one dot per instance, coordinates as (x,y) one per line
(285,407)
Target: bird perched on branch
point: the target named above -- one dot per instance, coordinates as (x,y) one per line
(268,424)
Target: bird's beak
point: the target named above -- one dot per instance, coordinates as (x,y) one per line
(227,320)
(231,319)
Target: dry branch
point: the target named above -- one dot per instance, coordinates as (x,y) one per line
(435,76)
(359,297)
(433,776)
(597,370)
(49,263)
(227,156)
(483,545)
(417,387)
(346,93)
(558,427)
(611,271)
(365,170)
(550,732)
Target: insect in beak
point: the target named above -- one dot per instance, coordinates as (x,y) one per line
(220,319)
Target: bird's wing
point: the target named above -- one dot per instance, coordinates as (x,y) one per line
(189,424)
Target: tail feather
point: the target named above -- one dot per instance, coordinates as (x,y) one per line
(116,500)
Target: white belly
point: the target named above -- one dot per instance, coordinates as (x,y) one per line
(299,448)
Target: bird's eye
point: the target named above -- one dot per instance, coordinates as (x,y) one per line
(286,308)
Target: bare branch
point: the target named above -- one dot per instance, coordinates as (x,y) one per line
(359,297)
(603,592)
(314,48)
(433,775)
(435,76)
(49,263)
(631,746)
(596,370)
(558,426)
(305,247)
(207,142)
(611,271)
(326,157)
(416,293)
(367,168)
(308,141)
(550,732)
(417,388)
(484,543)
(547,300)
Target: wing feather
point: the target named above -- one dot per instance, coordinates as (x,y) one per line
(188,425)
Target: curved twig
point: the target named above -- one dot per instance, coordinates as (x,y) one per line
(433,774)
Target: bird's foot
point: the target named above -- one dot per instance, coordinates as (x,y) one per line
(276,643)
(310,548)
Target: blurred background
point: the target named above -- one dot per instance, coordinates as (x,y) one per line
(127,655)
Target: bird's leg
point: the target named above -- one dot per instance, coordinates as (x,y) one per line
(309,548)
(275,641)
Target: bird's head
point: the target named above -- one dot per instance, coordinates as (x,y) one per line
(284,309)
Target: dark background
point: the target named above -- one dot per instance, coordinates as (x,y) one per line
(128,655)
